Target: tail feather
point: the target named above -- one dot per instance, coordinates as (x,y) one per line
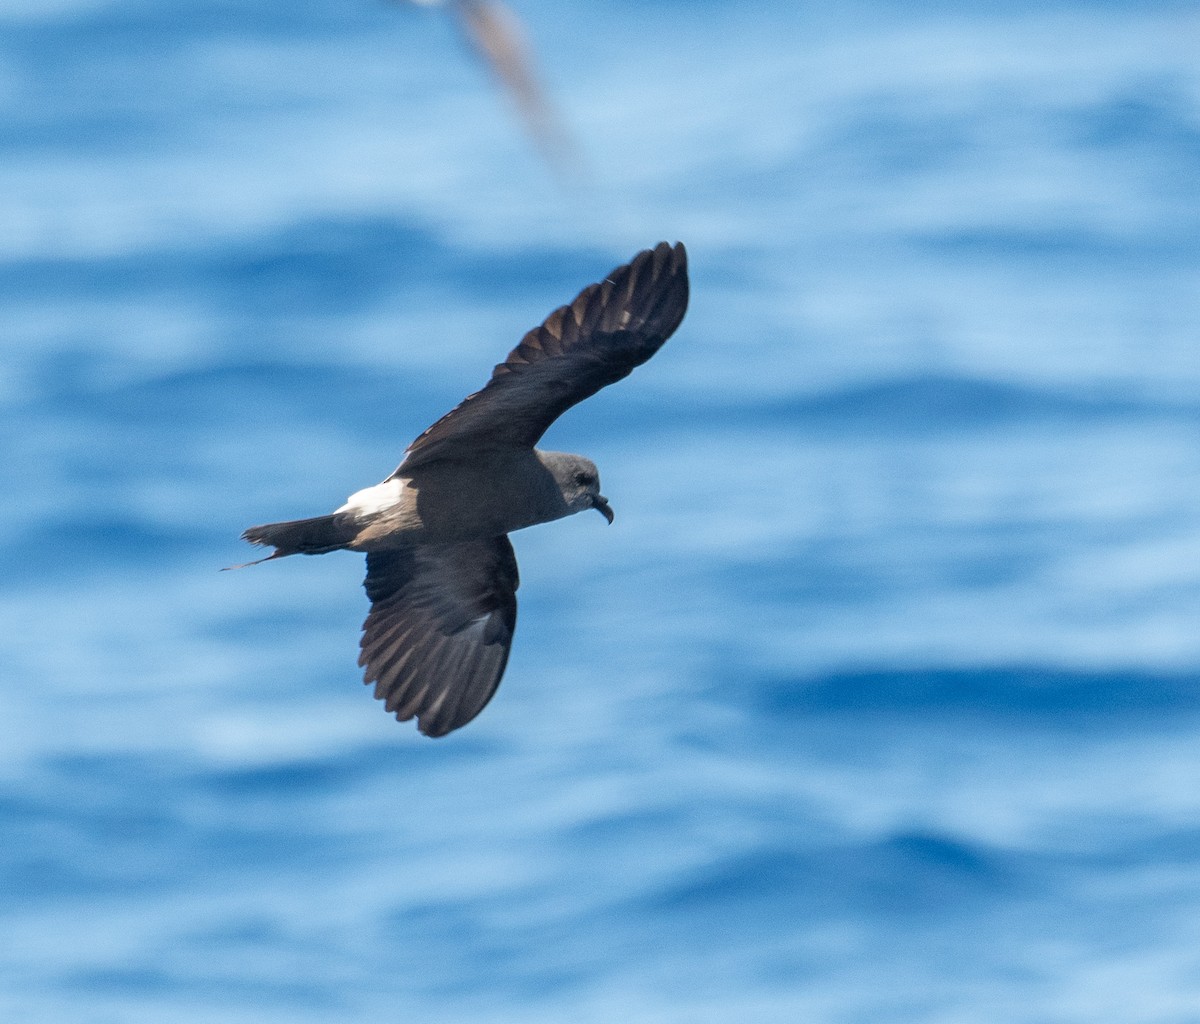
(305,536)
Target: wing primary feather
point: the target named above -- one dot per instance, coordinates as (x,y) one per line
(437,637)
(609,328)
(455,667)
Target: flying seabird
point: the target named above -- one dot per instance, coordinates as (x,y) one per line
(441,573)
(493,31)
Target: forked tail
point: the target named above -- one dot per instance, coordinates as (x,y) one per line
(303,536)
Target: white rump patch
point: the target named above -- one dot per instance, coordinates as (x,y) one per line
(372,500)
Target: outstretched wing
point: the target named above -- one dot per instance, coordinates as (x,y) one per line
(440,628)
(495,33)
(610,328)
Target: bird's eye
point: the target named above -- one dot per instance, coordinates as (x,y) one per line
(583,479)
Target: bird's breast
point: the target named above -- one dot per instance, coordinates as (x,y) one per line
(456,501)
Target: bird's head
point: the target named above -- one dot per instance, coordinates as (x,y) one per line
(578,481)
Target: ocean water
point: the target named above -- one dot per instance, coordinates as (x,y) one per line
(880,701)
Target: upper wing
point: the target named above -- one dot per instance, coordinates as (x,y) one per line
(610,328)
(441,623)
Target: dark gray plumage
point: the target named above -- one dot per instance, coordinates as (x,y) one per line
(441,574)
(441,623)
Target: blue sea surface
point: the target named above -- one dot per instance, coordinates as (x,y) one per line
(880,701)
